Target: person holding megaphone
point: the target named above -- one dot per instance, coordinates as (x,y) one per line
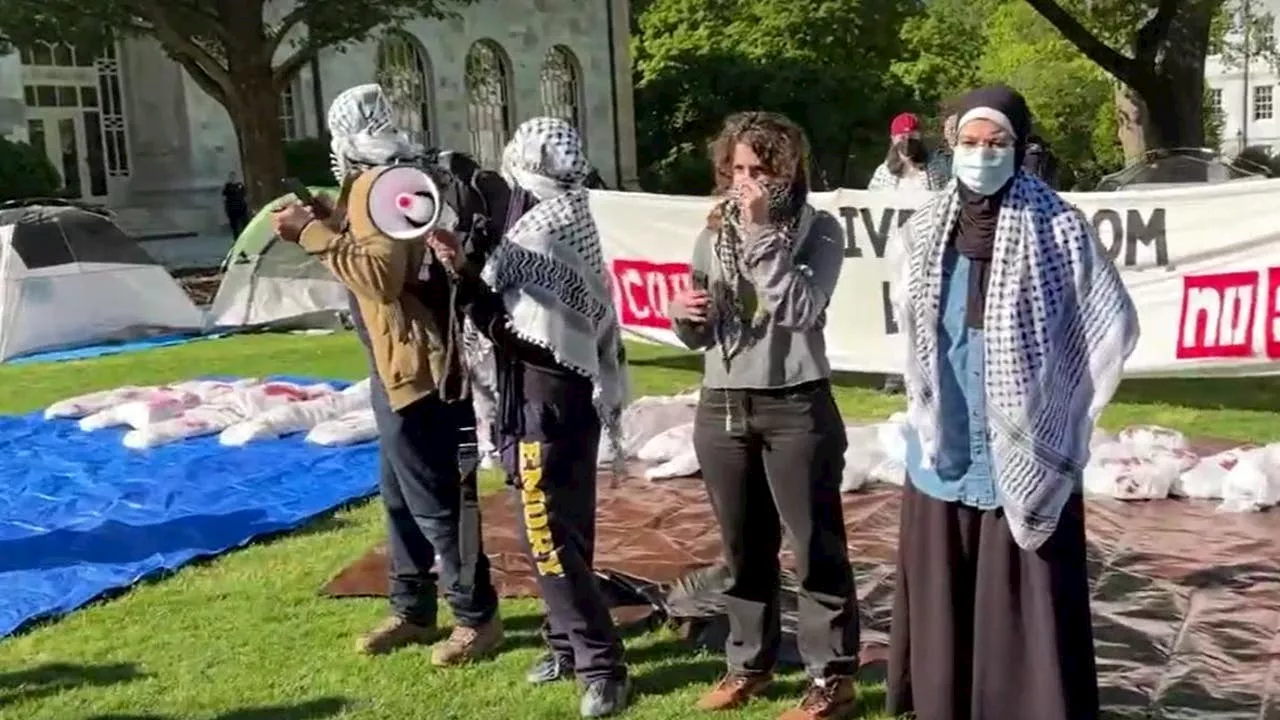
(543,300)
(403,311)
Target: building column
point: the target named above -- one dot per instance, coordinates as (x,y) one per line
(12,106)
(626,101)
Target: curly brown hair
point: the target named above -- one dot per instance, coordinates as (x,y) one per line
(780,144)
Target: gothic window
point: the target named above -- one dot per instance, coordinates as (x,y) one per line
(562,87)
(404,72)
(489,113)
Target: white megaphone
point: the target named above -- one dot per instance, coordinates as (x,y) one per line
(399,201)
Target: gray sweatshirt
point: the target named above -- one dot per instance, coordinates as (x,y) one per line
(794,289)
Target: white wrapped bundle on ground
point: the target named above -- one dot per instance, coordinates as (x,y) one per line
(645,418)
(1142,463)
(350,429)
(297,417)
(84,405)
(162,403)
(667,444)
(1253,484)
(1205,479)
(222,412)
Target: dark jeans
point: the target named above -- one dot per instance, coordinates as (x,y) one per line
(550,455)
(428,486)
(772,459)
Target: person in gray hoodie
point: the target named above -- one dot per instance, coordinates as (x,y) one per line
(767,432)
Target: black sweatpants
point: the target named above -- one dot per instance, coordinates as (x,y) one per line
(428,485)
(772,459)
(549,440)
(984,630)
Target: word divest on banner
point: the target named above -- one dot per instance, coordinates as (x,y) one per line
(1202,264)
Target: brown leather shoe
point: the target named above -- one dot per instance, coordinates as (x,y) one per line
(734,691)
(394,633)
(829,699)
(465,644)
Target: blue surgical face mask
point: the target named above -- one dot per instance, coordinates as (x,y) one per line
(983,170)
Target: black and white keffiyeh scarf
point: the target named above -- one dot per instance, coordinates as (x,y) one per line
(737,313)
(1059,325)
(550,267)
(363,133)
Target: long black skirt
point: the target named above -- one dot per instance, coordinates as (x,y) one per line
(984,630)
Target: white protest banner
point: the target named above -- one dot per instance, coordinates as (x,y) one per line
(1201,262)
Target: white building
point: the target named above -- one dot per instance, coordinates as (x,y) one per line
(1247,101)
(131,130)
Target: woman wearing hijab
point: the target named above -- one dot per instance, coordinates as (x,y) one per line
(767,433)
(1017,329)
(909,165)
(543,300)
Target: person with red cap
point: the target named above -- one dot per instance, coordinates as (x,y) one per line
(909,164)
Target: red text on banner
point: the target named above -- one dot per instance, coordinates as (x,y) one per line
(642,290)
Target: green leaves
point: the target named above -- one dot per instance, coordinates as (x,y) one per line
(824,63)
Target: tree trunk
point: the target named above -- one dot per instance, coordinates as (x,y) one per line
(255,112)
(1131,113)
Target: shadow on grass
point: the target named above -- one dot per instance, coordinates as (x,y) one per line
(50,679)
(1260,394)
(311,710)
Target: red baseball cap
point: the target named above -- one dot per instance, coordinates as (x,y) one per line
(904,124)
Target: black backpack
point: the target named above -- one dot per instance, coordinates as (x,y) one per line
(479,197)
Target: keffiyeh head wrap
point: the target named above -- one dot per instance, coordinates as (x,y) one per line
(550,268)
(363,132)
(1058,327)
(737,312)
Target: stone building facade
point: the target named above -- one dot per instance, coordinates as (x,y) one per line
(129,129)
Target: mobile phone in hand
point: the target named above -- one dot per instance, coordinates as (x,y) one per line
(304,196)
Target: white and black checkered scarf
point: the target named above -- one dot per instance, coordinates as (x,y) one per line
(736,311)
(1058,327)
(550,267)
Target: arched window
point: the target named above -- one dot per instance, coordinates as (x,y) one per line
(488,76)
(404,72)
(562,87)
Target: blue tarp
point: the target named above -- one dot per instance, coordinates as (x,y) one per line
(104,349)
(80,514)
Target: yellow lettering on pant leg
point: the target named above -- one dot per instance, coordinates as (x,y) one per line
(534,502)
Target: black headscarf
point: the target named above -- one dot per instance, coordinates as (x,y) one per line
(975,232)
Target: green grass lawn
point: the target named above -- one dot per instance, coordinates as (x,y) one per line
(246,637)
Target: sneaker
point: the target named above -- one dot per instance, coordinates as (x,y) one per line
(605,698)
(465,644)
(734,691)
(829,699)
(548,669)
(394,633)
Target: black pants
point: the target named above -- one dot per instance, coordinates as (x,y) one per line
(237,222)
(429,489)
(772,460)
(549,452)
(984,630)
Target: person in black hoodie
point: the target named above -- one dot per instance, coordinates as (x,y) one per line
(543,300)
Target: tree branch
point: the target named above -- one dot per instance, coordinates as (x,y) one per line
(293,19)
(1122,68)
(183,48)
(1153,33)
(284,74)
(202,78)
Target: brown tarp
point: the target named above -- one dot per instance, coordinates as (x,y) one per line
(1186,599)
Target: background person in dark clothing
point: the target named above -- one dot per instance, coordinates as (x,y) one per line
(235,204)
(421,399)
(767,432)
(544,302)
(1040,161)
